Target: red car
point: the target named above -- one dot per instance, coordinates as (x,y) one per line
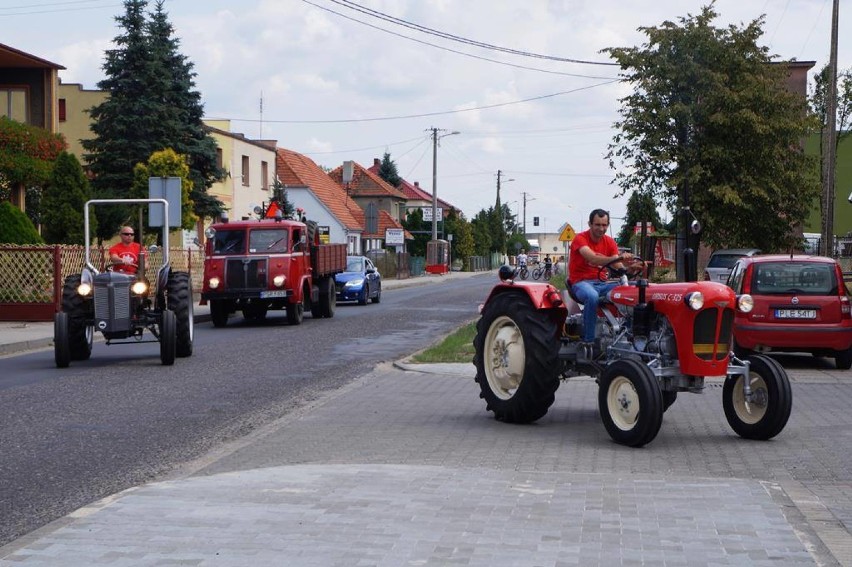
(800,305)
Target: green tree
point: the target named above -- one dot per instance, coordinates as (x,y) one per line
(709,125)
(388,171)
(640,208)
(151,106)
(166,163)
(63,201)
(16,227)
(279,195)
(462,244)
(481,228)
(422,232)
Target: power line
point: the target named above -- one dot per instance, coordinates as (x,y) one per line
(424,115)
(382,16)
(72,9)
(462,53)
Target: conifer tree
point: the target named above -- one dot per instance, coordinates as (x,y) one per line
(388,171)
(63,200)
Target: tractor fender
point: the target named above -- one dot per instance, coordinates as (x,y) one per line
(540,295)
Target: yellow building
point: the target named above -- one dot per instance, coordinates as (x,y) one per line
(73,120)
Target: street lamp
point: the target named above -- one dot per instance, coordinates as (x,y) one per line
(435,138)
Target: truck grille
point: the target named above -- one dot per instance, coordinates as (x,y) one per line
(705,341)
(245,273)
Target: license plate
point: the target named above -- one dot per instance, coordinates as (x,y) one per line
(795,313)
(273,293)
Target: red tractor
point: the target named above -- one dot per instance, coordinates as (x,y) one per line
(655,340)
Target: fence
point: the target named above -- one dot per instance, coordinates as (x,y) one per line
(31,277)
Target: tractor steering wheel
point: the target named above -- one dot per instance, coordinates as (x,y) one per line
(615,273)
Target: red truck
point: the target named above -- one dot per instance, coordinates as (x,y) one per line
(257,265)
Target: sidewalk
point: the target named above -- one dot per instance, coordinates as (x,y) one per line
(405,467)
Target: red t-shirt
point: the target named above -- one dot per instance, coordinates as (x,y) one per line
(578,268)
(126,251)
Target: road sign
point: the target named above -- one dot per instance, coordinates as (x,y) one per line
(567,234)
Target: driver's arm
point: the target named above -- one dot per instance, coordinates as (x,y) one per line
(597,260)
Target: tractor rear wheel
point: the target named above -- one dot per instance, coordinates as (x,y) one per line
(630,402)
(168,337)
(765,415)
(516,358)
(79,311)
(179,291)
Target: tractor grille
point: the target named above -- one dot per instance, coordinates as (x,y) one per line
(111,294)
(705,341)
(245,273)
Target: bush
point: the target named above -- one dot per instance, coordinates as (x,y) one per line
(16,227)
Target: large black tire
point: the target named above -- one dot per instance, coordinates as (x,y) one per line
(516,358)
(630,402)
(168,337)
(766,416)
(296,311)
(219,311)
(843,359)
(179,301)
(61,347)
(80,315)
(327,297)
(669,398)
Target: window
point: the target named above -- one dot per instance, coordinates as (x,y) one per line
(264,176)
(220,161)
(62,115)
(245,172)
(13,104)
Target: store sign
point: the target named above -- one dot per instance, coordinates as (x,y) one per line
(394,236)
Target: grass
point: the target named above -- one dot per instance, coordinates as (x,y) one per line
(456,347)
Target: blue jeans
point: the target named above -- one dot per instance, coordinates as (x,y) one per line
(589,292)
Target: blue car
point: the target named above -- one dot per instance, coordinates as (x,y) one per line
(360,282)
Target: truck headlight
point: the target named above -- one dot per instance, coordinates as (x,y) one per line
(213,283)
(84,289)
(745,303)
(139,287)
(695,300)
(278,281)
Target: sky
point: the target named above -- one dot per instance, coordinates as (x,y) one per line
(339,80)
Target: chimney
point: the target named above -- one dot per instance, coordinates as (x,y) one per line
(417,184)
(377,162)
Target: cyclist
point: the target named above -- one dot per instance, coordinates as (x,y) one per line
(548,267)
(522,263)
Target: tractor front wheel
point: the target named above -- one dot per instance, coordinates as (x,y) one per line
(765,414)
(630,402)
(79,310)
(516,358)
(168,337)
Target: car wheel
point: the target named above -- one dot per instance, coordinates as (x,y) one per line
(843,359)
(365,293)
(378,297)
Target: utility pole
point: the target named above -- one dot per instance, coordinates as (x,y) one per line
(829,144)
(435,138)
(526,198)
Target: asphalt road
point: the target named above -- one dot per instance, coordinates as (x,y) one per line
(72,436)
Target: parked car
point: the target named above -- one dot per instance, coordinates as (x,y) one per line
(360,282)
(721,261)
(800,305)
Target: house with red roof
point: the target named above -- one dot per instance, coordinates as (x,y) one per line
(415,196)
(324,201)
(367,188)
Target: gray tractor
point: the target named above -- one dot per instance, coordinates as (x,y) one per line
(121,306)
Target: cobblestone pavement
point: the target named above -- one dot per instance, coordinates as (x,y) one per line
(405,467)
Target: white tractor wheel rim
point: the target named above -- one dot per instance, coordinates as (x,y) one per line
(750,412)
(622,403)
(504,357)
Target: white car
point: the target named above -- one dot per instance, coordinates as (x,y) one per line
(722,261)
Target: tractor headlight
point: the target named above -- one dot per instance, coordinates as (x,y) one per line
(84,289)
(695,300)
(278,281)
(213,283)
(745,303)
(139,287)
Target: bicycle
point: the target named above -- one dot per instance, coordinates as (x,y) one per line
(523,272)
(538,272)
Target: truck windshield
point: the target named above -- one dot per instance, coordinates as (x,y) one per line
(229,242)
(268,241)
